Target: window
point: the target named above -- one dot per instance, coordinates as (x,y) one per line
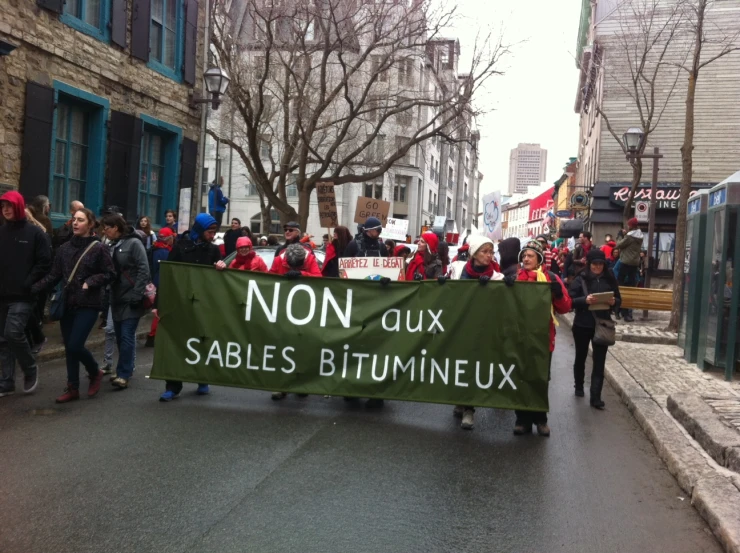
(465,216)
(406,72)
(88,16)
(431,205)
(204,176)
(401,188)
(374,106)
(255,223)
(160,153)
(374,190)
(450,178)
(377,68)
(251,189)
(405,117)
(70,157)
(265,148)
(291,188)
(401,141)
(376,149)
(165,37)
(431,168)
(275,227)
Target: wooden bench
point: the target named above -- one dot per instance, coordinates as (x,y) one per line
(650,299)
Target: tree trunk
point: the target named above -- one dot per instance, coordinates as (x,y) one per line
(266,218)
(687,161)
(304,203)
(636,178)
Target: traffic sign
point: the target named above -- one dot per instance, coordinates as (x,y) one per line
(642,211)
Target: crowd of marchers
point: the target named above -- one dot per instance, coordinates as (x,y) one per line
(103,270)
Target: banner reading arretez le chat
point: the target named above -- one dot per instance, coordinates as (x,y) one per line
(458,343)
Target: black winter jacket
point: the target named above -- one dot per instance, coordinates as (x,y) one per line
(364,246)
(26,255)
(595,285)
(96,269)
(198,253)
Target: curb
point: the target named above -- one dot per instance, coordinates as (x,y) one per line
(700,421)
(714,496)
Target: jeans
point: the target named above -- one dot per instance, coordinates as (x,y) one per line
(628,275)
(76,325)
(582,337)
(14,345)
(126,340)
(110,339)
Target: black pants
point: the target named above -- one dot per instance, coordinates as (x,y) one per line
(627,277)
(525,418)
(583,337)
(219,216)
(34,330)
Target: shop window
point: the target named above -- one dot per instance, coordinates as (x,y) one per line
(664,246)
(78,150)
(91,17)
(160,146)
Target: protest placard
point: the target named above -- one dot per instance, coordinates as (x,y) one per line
(371,268)
(396,229)
(370,207)
(327,204)
(413,341)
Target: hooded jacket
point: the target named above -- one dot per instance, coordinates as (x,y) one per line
(132,268)
(216,199)
(25,250)
(629,248)
(96,270)
(608,247)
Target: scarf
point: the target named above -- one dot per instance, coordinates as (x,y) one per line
(472,273)
(162,246)
(416,263)
(243,262)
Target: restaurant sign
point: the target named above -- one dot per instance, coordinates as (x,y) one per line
(667,196)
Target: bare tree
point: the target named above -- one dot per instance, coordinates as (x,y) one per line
(317,85)
(639,59)
(710,43)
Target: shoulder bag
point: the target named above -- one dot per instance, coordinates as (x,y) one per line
(605,330)
(56,307)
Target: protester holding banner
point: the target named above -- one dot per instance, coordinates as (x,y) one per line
(195,247)
(532,258)
(335,249)
(127,292)
(160,252)
(246,258)
(596,279)
(292,234)
(368,243)
(294,261)
(426,264)
(480,266)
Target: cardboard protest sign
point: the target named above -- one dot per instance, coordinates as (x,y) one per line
(413,341)
(327,204)
(371,268)
(396,229)
(370,207)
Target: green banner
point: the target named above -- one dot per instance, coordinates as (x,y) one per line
(458,343)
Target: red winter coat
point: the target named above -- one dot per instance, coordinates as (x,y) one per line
(310,266)
(561,306)
(249,262)
(608,247)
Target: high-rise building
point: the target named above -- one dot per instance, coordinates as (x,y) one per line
(527,167)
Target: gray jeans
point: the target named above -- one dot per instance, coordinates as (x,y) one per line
(14,345)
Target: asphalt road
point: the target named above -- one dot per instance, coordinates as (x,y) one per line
(237,472)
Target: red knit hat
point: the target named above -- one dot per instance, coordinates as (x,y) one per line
(632,222)
(432,241)
(165,232)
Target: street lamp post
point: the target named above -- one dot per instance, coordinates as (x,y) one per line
(633,140)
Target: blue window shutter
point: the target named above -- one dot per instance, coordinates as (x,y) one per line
(191,40)
(140,22)
(124,152)
(37,137)
(55,6)
(118,22)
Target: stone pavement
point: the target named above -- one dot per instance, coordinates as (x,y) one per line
(650,331)
(698,446)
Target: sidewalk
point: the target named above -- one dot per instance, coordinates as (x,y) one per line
(54,348)
(701,444)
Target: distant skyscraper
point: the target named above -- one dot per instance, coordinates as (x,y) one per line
(527,167)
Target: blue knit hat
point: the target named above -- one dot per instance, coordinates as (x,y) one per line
(202,223)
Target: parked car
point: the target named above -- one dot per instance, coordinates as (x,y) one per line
(267,253)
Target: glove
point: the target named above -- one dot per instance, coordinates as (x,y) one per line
(442,279)
(418,276)
(556,289)
(385,281)
(509,280)
(293,274)
(484,279)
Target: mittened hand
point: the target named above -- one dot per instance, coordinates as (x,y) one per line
(509,280)
(385,281)
(293,274)
(442,279)
(484,279)
(418,276)
(556,289)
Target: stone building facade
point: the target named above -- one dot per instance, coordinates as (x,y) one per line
(94,102)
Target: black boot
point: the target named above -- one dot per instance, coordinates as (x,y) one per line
(597,382)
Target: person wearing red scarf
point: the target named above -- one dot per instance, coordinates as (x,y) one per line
(425,264)
(160,251)
(246,258)
(342,237)
(531,258)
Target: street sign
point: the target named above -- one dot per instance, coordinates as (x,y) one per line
(642,212)
(327,204)
(564,213)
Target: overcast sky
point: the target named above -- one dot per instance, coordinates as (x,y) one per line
(533,101)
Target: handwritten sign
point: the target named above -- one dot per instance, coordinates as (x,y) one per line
(327,204)
(370,207)
(396,229)
(371,268)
